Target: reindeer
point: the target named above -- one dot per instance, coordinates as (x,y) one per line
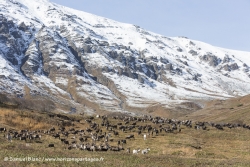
(52,130)
(145,151)
(2,129)
(93,148)
(9,137)
(57,135)
(136,151)
(115,133)
(130,136)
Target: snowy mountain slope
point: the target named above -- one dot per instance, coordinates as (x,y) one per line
(83,60)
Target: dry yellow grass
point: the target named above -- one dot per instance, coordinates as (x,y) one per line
(235,110)
(229,147)
(21,120)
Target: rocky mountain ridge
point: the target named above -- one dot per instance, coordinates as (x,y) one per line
(82,62)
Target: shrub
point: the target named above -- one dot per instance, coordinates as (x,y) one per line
(239,105)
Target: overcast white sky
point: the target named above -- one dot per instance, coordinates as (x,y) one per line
(222,23)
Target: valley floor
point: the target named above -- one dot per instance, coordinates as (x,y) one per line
(190,147)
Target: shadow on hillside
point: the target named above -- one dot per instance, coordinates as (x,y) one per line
(36,103)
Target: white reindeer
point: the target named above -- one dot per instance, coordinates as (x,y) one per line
(136,151)
(74,145)
(145,151)
(81,147)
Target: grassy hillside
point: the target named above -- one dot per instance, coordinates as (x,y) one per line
(190,147)
(235,110)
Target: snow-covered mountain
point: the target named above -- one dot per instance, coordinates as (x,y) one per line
(84,62)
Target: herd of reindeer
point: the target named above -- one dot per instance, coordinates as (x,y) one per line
(99,137)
